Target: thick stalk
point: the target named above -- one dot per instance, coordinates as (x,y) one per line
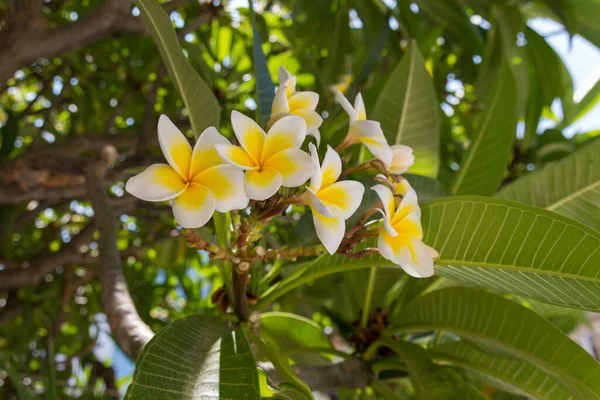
(240,281)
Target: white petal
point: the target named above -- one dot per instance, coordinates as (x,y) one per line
(194,207)
(402,159)
(205,155)
(317,135)
(226,183)
(249,134)
(387,199)
(345,195)
(286,133)
(294,165)
(359,107)
(421,266)
(312,118)
(174,146)
(158,182)
(260,185)
(329,230)
(346,105)
(400,256)
(280,101)
(331,167)
(371,135)
(283,75)
(317,178)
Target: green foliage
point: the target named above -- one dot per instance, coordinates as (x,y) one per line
(196,356)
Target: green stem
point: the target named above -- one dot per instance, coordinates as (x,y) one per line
(364,319)
(382,391)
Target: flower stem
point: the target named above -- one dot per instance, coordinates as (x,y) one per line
(240,281)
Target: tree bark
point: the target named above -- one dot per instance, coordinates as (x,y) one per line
(130,331)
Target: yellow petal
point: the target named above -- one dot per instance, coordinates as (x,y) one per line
(290,86)
(303,100)
(310,198)
(294,165)
(408,252)
(330,230)
(174,146)
(235,155)
(286,133)
(205,155)
(345,195)
(194,207)
(387,199)
(331,168)
(249,134)
(260,185)
(410,225)
(312,118)
(408,205)
(359,107)
(226,183)
(159,182)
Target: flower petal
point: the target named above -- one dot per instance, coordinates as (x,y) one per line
(174,145)
(287,133)
(303,100)
(249,134)
(194,207)
(410,225)
(408,205)
(205,155)
(408,252)
(386,224)
(260,185)
(331,167)
(387,198)
(317,135)
(345,195)
(280,101)
(235,155)
(294,165)
(359,107)
(283,75)
(370,134)
(159,182)
(313,201)
(226,183)
(402,159)
(312,118)
(346,105)
(317,177)
(394,248)
(330,230)
(421,265)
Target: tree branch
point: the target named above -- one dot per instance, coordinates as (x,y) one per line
(130,331)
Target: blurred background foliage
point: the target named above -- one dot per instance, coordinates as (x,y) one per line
(54,111)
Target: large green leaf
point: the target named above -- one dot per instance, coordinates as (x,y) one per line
(510,374)
(503,327)
(427,188)
(483,165)
(570,186)
(195,358)
(202,106)
(264,85)
(515,248)
(408,111)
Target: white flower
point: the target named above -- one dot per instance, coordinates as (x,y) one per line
(400,239)
(363,130)
(272,159)
(196,181)
(402,159)
(331,202)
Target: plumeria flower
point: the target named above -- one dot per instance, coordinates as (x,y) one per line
(270,160)
(402,159)
(400,240)
(196,181)
(289,102)
(399,186)
(343,85)
(363,130)
(331,202)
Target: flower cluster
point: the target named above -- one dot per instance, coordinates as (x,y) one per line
(218,175)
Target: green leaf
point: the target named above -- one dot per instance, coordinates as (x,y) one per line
(202,106)
(324,265)
(292,333)
(408,111)
(264,85)
(570,187)
(585,105)
(565,11)
(427,188)
(515,248)
(15,379)
(505,328)
(483,164)
(196,357)
(509,374)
